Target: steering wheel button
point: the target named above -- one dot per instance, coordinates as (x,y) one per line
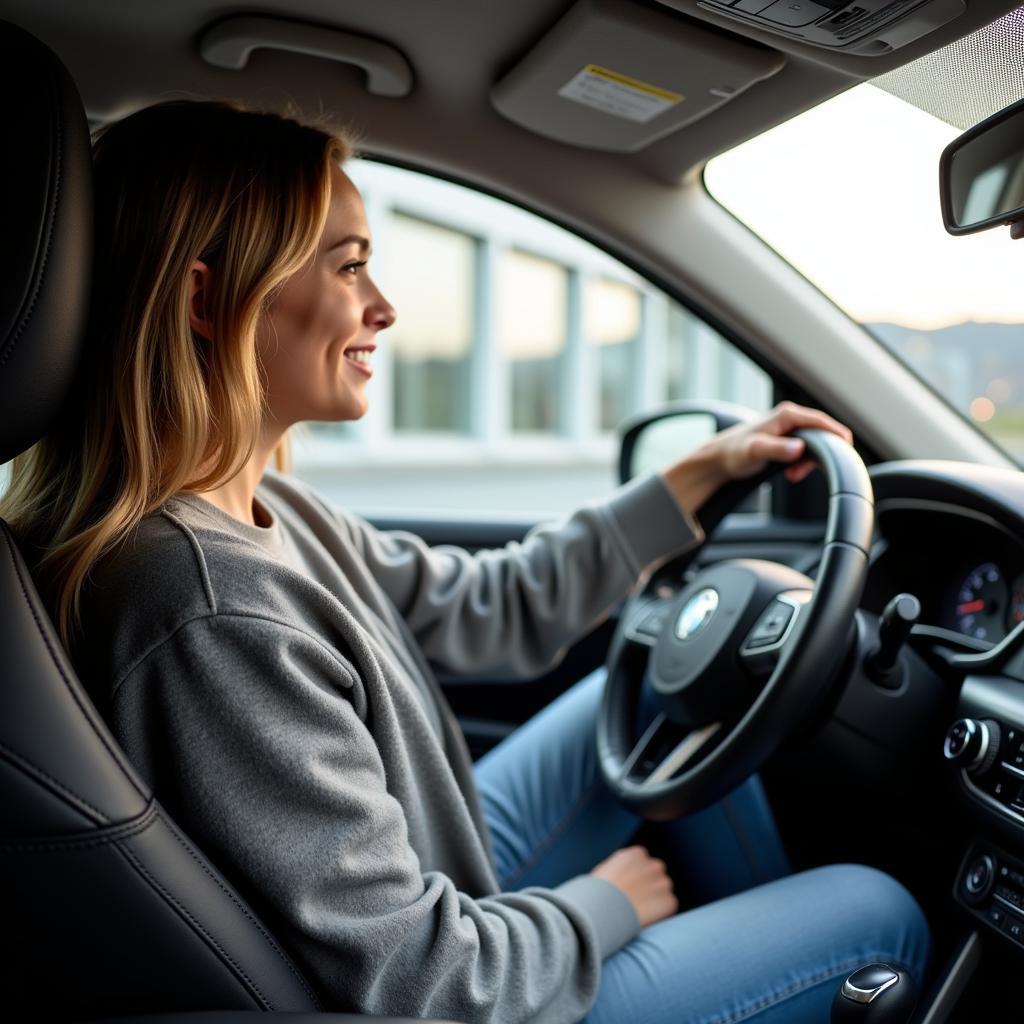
(772,624)
(652,622)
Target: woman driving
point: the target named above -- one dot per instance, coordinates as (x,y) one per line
(266,660)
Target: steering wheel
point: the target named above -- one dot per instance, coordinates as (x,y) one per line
(737,658)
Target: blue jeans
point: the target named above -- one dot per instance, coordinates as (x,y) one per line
(771,949)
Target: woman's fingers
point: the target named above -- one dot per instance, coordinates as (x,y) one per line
(794,474)
(780,449)
(789,416)
(786,417)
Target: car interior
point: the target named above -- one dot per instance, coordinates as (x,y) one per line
(885,730)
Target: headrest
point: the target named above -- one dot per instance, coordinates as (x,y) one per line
(46,213)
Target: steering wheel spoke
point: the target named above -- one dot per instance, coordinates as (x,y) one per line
(664,749)
(775,630)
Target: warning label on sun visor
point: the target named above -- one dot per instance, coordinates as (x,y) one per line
(617,94)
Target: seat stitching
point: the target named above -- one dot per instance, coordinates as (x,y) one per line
(13,340)
(245,910)
(169,897)
(5,530)
(797,987)
(60,844)
(33,769)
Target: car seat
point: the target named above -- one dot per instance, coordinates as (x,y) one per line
(108,908)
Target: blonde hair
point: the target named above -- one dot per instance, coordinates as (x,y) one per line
(157,409)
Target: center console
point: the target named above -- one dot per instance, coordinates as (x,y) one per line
(990,884)
(986,747)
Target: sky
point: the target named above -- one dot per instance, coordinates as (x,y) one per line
(848,193)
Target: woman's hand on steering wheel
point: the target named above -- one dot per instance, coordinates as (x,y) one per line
(745,449)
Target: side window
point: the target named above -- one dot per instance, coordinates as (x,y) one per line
(518,351)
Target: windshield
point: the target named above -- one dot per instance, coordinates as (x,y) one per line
(848,193)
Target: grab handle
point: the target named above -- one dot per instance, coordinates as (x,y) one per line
(229,43)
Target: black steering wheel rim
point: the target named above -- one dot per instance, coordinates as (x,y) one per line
(799,679)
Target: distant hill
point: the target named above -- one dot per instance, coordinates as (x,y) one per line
(968,361)
(962,360)
(1004,340)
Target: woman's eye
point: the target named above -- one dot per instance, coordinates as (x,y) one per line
(351,268)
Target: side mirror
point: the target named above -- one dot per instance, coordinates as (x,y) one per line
(981,175)
(654,440)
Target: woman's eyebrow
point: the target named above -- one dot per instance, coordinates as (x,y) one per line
(363,243)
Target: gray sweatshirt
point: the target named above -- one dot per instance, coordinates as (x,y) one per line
(273,685)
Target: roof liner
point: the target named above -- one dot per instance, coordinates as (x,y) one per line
(124,54)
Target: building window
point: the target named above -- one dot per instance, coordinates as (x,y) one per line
(612,323)
(532,317)
(432,338)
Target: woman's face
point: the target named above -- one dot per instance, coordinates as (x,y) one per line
(317,340)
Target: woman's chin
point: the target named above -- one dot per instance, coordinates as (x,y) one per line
(355,410)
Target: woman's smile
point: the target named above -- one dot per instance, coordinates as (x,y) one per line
(360,359)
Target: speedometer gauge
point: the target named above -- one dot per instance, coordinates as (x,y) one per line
(982,603)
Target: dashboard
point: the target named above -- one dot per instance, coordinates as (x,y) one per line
(964,566)
(952,534)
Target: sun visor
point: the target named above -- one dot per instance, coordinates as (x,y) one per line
(614,76)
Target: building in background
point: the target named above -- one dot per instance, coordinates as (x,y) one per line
(518,351)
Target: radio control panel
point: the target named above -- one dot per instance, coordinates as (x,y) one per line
(990,885)
(990,754)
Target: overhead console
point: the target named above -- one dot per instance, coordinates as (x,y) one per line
(865,27)
(615,76)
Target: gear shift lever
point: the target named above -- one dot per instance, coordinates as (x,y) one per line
(876,994)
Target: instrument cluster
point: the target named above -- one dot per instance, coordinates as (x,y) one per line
(966,570)
(989,601)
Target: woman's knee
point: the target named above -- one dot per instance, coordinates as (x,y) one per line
(876,910)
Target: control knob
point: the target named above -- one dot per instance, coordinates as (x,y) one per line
(972,744)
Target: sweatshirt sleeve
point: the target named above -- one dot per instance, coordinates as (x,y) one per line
(278,778)
(514,610)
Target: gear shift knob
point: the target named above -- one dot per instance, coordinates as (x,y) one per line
(875,994)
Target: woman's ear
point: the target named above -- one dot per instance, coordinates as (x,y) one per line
(199,280)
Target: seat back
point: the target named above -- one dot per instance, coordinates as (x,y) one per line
(107,907)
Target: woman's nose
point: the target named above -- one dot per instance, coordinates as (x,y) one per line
(380,313)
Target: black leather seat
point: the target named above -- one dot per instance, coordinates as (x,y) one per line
(107,908)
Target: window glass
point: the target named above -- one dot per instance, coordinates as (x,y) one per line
(432,337)
(702,364)
(518,351)
(532,321)
(612,314)
(848,193)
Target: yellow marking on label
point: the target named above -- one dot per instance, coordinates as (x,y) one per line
(617,94)
(634,83)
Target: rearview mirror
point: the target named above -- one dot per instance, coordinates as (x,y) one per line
(981,175)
